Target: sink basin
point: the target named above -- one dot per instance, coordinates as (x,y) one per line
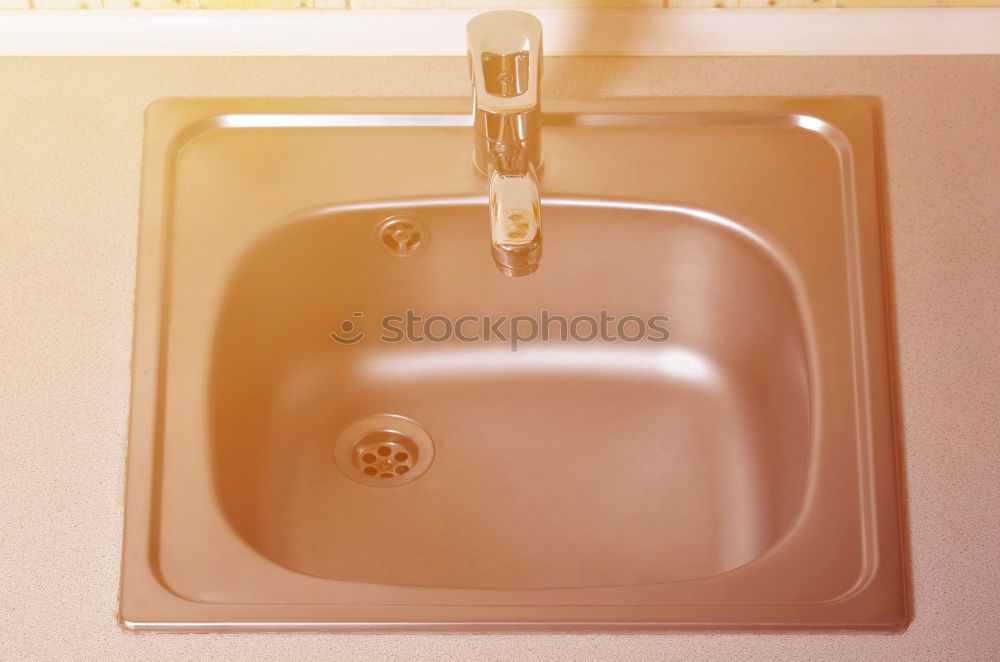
(345,417)
(560,464)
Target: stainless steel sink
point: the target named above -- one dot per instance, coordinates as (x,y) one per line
(684,418)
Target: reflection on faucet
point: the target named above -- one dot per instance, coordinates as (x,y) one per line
(505,58)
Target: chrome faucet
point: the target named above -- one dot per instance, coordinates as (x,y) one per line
(505,61)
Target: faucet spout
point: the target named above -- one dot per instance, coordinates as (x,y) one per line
(515,222)
(505,56)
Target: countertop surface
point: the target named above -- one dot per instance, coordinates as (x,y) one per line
(70,143)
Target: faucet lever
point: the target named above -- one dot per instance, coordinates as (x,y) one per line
(505,59)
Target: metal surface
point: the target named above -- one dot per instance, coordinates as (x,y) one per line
(739,472)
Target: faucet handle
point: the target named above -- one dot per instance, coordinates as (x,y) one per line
(505,59)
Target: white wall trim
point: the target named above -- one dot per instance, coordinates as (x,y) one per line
(442,32)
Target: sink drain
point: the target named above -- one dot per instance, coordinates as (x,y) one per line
(384,451)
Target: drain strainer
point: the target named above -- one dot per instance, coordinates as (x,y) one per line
(384,451)
(402,236)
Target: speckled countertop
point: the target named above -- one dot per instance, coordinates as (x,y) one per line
(70,138)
